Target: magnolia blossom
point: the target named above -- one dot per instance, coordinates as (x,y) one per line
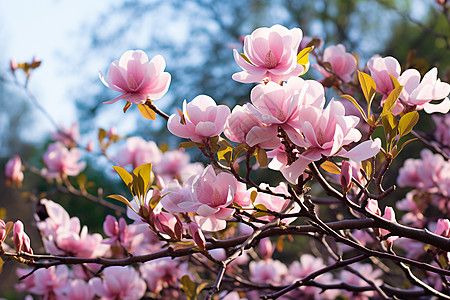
(201,119)
(213,193)
(76,289)
(137,152)
(367,271)
(137,78)
(380,69)
(117,231)
(389,214)
(442,132)
(267,271)
(119,283)
(269,53)
(50,283)
(172,163)
(13,171)
(69,136)
(60,160)
(244,127)
(343,64)
(21,239)
(167,223)
(162,273)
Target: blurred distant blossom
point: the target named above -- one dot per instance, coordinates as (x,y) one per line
(128,285)
(271,53)
(162,273)
(268,271)
(69,136)
(442,132)
(138,151)
(13,171)
(343,64)
(50,283)
(367,271)
(137,78)
(61,161)
(76,289)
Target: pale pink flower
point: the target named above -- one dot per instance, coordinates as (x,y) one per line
(265,248)
(271,53)
(137,78)
(419,93)
(213,193)
(27,283)
(389,214)
(50,283)
(162,273)
(343,64)
(13,171)
(137,152)
(372,206)
(367,271)
(442,132)
(118,283)
(56,216)
(202,118)
(267,271)
(413,215)
(76,289)
(172,163)
(179,198)
(380,69)
(60,160)
(244,127)
(117,231)
(69,136)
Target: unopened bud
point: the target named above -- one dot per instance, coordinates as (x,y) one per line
(443,228)
(197,235)
(13,65)
(346,176)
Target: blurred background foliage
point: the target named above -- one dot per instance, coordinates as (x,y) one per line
(196,38)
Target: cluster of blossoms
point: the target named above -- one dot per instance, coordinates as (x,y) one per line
(193,208)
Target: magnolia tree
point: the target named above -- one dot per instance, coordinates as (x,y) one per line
(213,231)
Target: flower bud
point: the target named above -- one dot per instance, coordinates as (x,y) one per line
(168,224)
(346,176)
(13,171)
(389,214)
(2,231)
(13,65)
(372,206)
(197,235)
(266,248)
(21,239)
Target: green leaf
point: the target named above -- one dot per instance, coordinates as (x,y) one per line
(101,134)
(145,172)
(147,112)
(367,167)
(261,157)
(225,153)
(407,123)
(368,87)
(126,177)
(330,167)
(390,125)
(253,196)
(403,145)
(121,199)
(391,100)
(186,145)
(263,211)
(188,287)
(82,181)
(348,97)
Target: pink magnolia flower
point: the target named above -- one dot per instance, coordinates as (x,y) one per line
(380,69)
(201,119)
(271,53)
(343,63)
(137,152)
(50,283)
(13,171)
(60,160)
(267,271)
(119,283)
(162,273)
(372,206)
(367,271)
(167,223)
(172,163)
(419,93)
(442,132)
(69,136)
(266,248)
(2,231)
(76,289)
(137,78)
(213,193)
(118,231)
(244,127)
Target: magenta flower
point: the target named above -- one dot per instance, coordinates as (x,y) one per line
(271,53)
(13,171)
(137,78)
(202,118)
(60,160)
(343,64)
(119,283)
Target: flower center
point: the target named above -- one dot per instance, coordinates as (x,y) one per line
(132,84)
(270,60)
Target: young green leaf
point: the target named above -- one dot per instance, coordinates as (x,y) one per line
(390,125)
(391,100)
(121,199)
(126,177)
(407,123)
(368,87)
